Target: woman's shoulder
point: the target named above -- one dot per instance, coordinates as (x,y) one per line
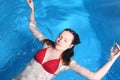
(72,62)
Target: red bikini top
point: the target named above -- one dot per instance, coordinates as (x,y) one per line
(50,66)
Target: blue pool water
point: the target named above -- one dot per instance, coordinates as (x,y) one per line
(96,21)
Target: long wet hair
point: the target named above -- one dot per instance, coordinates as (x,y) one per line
(67,54)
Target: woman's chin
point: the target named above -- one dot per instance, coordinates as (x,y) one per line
(58,47)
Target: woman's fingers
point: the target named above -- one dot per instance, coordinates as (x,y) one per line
(115,49)
(118,47)
(30,3)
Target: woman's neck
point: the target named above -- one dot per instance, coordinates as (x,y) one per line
(57,52)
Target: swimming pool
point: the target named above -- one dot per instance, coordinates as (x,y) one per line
(96,22)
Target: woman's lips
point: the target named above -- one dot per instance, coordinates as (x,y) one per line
(58,44)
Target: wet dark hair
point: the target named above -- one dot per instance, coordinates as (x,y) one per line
(67,54)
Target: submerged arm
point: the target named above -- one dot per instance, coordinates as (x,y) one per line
(94,75)
(32,24)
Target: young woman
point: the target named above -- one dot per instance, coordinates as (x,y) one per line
(56,56)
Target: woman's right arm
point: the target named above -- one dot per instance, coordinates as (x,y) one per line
(32,24)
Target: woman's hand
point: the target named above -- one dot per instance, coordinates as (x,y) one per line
(115,51)
(30,3)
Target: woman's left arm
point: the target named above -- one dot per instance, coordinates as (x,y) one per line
(98,75)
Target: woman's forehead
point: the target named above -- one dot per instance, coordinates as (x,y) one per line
(67,34)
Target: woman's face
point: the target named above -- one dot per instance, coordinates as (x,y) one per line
(64,41)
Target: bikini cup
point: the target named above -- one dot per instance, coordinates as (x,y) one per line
(50,66)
